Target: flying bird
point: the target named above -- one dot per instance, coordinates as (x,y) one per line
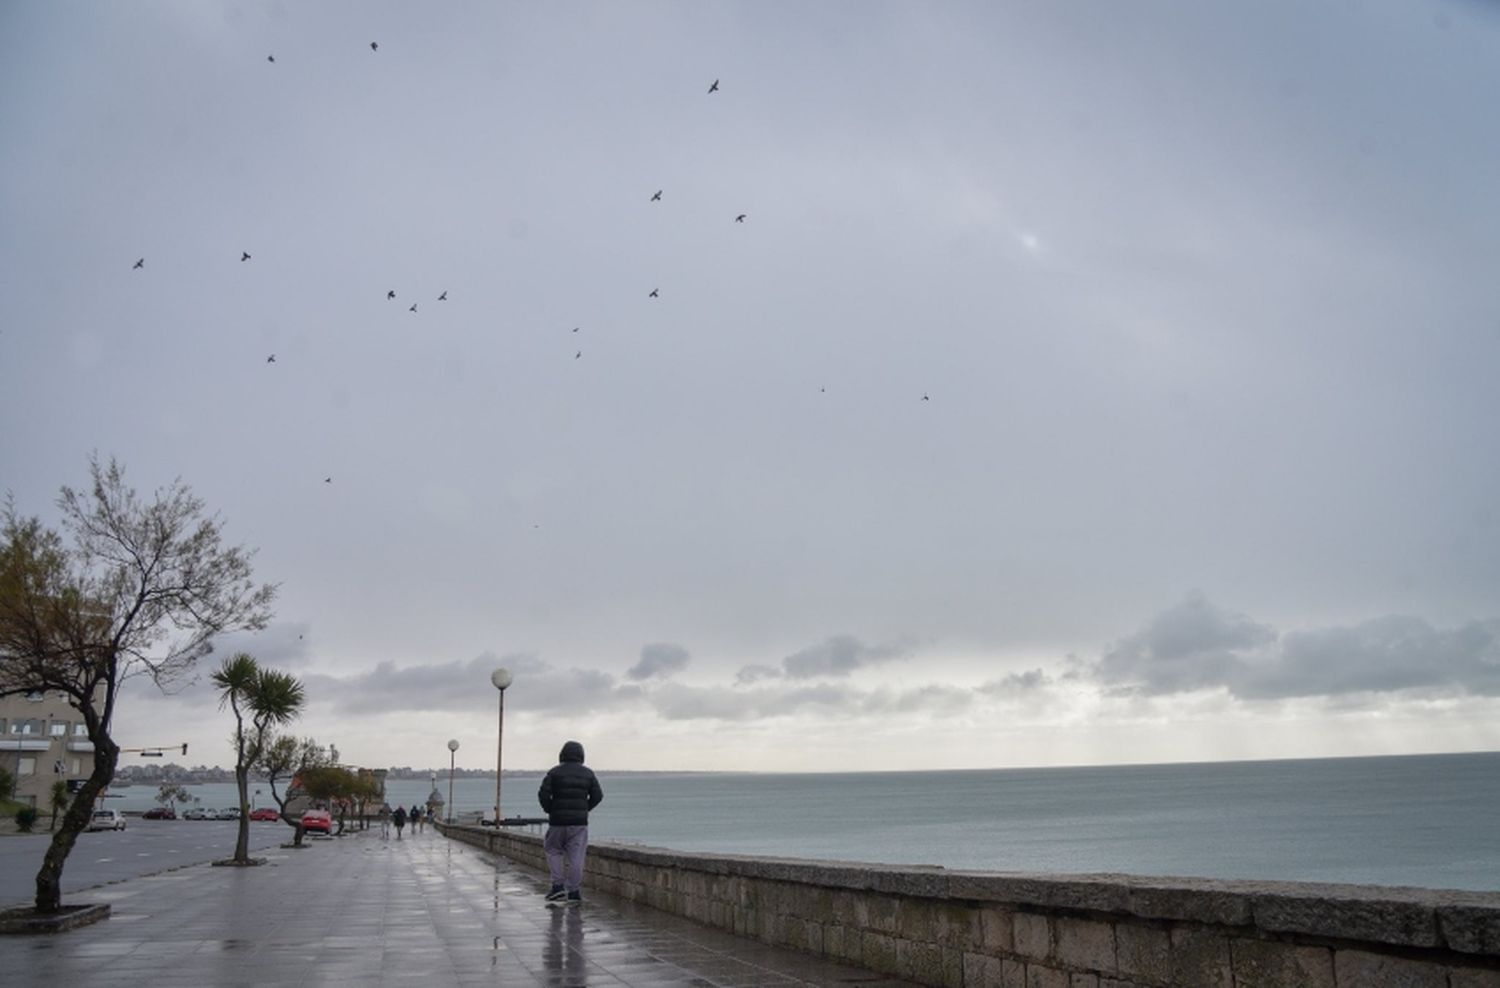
(374,46)
(715,87)
(740,218)
(443,297)
(413,307)
(578,354)
(657,197)
(270,58)
(925,398)
(575,329)
(271,359)
(390,295)
(140,264)
(654,294)
(244,257)
(327,480)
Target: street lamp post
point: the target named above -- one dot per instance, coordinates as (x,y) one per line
(501,679)
(452,750)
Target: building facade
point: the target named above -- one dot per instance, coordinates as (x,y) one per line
(43,740)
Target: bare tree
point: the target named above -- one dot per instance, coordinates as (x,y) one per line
(141,588)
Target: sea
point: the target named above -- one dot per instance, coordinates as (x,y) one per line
(1418,820)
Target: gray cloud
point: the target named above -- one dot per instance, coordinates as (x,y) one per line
(1382,655)
(285,645)
(678,702)
(838,656)
(1192,645)
(659,660)
(935,697)
(755,673)
(453,685)
(1197,646)
(1017,682)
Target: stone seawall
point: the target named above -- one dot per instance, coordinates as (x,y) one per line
(958,929)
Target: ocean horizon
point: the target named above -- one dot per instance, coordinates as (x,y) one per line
(1418,820)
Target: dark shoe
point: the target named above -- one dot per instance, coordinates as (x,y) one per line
(557,894)
(575,898)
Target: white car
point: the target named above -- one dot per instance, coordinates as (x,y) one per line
(107,820)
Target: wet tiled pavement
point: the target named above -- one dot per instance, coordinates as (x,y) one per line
(365,910)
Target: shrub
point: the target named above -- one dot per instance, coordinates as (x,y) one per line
(7,784)
(26,819)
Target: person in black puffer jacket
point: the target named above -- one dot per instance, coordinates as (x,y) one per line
(568,792)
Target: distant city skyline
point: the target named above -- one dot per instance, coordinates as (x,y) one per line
(787,388)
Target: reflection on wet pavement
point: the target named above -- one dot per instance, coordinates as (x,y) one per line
(368,911)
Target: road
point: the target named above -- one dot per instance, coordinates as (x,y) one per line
(144,847)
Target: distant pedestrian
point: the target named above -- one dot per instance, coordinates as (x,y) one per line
(569,791)
(400,821)
(385,819)
(416,818)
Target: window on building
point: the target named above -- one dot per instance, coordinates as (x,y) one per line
(26,766)
(26,727)
(80,730)
(58,729)
(2,725)
(76,768)
(36,696)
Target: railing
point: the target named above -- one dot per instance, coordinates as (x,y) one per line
(958,929)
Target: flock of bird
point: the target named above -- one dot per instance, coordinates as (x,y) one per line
(390,294)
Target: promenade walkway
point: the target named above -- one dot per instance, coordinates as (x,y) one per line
(366,911)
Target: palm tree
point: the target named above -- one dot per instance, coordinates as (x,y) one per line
(270,699)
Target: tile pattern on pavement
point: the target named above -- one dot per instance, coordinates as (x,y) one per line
(365,910)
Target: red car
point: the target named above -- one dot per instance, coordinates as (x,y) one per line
(159,813)
(319,820)
(265,813)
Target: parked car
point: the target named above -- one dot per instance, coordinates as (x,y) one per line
(266,813)
(319,820)
(107,820)
(198,813)
(230,813)
(159,813)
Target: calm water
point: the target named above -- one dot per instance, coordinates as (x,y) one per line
(1426,820)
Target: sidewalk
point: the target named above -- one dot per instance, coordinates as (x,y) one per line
(365,911)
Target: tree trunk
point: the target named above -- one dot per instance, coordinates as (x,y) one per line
(75,821)
(242,842)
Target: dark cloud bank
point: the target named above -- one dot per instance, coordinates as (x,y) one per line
(1197,646)
(1193,646)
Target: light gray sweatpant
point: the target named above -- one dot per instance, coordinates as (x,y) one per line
(565,847)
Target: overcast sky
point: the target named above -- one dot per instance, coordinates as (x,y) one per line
(1086,382)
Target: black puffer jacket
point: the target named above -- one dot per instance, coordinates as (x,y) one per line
(570,790)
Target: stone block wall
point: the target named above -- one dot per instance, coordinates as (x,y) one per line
(958,929)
